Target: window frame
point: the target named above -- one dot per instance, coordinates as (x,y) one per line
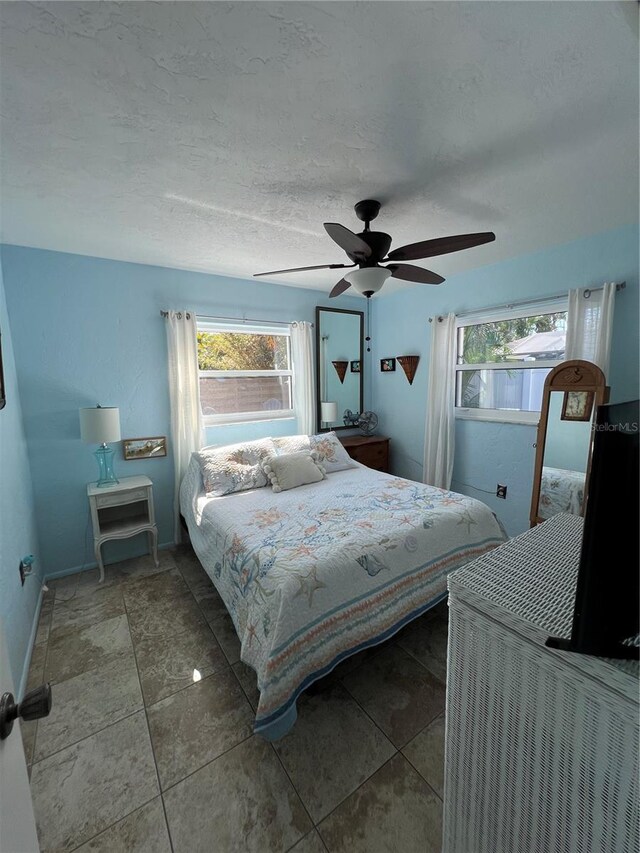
(495,315)
(214,326)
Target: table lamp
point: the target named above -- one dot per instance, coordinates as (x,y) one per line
(99,426)
(329,412)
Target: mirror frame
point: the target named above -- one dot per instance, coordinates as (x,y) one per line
(576,375)
(359,314)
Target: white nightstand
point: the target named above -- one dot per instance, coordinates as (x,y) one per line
(121,511)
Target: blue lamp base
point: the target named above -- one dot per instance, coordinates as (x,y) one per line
(104,455)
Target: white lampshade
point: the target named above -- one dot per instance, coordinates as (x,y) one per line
(368,280)
(329,412)
(100,425)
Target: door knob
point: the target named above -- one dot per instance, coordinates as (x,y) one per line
(36,704)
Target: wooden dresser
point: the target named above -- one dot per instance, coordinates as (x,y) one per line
(370,450)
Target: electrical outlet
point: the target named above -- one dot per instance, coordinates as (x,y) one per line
(501,491)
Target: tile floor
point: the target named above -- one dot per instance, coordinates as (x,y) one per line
(149,745)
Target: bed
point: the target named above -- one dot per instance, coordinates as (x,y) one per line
(561,490)
(313,575)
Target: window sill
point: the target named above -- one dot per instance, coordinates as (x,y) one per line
(493,416)
(216,423)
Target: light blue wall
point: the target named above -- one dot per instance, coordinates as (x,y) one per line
(88,330)
(491,453)
(18,604)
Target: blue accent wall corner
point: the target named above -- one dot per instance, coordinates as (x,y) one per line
(88,330)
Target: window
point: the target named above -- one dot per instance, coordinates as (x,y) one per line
(503,358)
(245,371)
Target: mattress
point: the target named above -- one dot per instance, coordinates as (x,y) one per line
(315,574)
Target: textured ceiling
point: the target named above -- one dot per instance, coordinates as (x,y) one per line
(219,136)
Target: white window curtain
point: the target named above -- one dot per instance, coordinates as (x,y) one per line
(184,393)
(439,437)
(304,402)
(590,324)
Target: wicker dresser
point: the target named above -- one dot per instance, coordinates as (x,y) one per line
(541,748)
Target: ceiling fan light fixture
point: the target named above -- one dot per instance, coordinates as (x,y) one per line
(368,280)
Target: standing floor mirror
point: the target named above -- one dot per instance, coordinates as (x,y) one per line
(572,392)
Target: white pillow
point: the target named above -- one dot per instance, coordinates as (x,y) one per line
(331,453)
(290,470)
(234,467)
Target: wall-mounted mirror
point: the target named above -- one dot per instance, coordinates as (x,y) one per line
(572,392)
(340,365)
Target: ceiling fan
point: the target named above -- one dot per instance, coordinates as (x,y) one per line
(368,250)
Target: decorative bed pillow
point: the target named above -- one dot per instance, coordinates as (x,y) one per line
(290,470)
(331,454)
(235,467)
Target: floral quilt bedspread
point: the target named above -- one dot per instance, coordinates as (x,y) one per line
(561,491)
(314,574)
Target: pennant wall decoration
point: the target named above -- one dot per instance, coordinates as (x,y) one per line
(409,364)
(341,369)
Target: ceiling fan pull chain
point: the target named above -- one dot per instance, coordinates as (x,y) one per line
(368,339)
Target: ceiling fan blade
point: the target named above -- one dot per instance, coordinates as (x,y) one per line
(440,246)
(353,245)
(339,288)
(407,272)
(303,269)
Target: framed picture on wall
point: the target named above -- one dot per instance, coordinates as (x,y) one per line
(577,406)
(144,448)
(355,367)
(387,365)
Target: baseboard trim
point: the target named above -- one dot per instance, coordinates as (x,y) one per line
(87,567)
(32,641)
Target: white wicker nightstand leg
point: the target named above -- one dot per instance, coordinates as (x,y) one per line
(97,551)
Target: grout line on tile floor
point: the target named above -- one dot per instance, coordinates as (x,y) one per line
(384,764)
(150,705)
(224,666)
(328,815)
(298,795)
(227,666)
(397,748)
(308,835)
(87,840)
(61,601)
(406,758)
(146,717)
(206,764)
(368,715)
(431,673)
(86,737)
(426,726)
(355,789)
(237,677)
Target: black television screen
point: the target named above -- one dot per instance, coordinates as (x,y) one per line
(605,616)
